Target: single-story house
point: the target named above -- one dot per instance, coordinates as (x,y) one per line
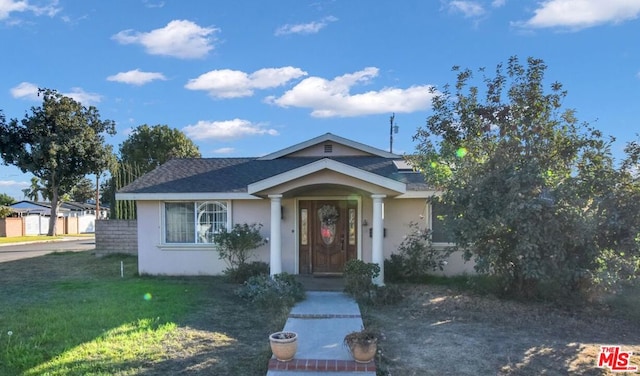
(321,202)
(84,212)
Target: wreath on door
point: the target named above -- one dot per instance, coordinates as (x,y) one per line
(328,215)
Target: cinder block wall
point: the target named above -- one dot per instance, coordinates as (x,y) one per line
(116,236)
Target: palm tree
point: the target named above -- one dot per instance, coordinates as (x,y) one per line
(33,192)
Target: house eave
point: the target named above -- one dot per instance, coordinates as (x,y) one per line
(186,196)
(418,194)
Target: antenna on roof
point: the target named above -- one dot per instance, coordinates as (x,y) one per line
(392,129)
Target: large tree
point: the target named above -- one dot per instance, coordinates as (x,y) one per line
(59,143)
(83,191)
(523,178)
(148,147)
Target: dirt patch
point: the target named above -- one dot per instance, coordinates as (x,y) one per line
(439,331)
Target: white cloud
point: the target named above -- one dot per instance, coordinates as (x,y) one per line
(10,6)
(25,90)
(468,8)
(580,14)
(29,91)
(227,83)
(13,183)
(498,3)
(224,151)
(333,98)
(50,9)
(226,130)
(150,4)
(136,77)
(308,28)
(180,38)
(79,95)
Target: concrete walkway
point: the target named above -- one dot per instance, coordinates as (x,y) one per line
(321,321)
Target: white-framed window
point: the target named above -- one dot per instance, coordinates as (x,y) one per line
(194,222)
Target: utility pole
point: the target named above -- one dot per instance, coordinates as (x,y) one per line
(392,129)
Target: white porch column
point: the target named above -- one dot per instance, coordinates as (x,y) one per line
(377,251)
(275,259)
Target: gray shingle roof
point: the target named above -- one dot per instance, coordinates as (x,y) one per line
(233,175)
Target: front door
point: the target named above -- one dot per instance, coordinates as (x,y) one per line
(328,236)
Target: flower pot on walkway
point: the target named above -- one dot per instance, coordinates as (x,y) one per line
(284,345)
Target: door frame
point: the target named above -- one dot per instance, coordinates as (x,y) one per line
(354,197)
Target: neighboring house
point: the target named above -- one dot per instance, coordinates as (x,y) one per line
(85,214)
(321,202)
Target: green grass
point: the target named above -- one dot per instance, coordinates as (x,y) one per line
(72,314)
(21,239)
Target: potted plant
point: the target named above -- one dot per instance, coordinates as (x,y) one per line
(362,345)
(284,345)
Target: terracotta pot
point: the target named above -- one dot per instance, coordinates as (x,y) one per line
(284,345)
(363,353)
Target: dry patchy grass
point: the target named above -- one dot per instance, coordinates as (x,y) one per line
(436,330)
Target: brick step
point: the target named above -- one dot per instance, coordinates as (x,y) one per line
(322,365)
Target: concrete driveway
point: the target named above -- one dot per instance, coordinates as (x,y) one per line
(12,252)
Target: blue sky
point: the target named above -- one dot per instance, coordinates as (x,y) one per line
(246,78)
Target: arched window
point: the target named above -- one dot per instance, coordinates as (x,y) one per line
(194,222)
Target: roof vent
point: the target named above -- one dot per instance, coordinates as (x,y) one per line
(328,148)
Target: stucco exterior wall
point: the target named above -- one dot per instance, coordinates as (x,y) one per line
(156,258)
(11,227)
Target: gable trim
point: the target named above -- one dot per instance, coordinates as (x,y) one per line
(327,164)
(329,137)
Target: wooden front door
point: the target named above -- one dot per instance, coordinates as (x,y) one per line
(328,235)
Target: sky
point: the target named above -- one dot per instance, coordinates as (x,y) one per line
(247,78)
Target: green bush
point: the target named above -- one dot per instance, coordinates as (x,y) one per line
(358,278)
(278,293)
(245,271)
(394,268)
(235,247)
(416,257)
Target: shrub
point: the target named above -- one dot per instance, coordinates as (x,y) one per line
(358,278)
(387,295)
(278,293)
(245,271)
(235,247)
(416,257)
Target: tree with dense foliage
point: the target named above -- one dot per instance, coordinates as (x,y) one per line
(59,143)
(145,149)
(5,199)
(533,193)
(83,191)
(148,147)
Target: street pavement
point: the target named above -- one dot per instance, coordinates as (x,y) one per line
(18,251)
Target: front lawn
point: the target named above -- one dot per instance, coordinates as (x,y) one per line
(73,314)
(446,330)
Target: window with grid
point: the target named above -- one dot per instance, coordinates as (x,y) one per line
(194,222)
